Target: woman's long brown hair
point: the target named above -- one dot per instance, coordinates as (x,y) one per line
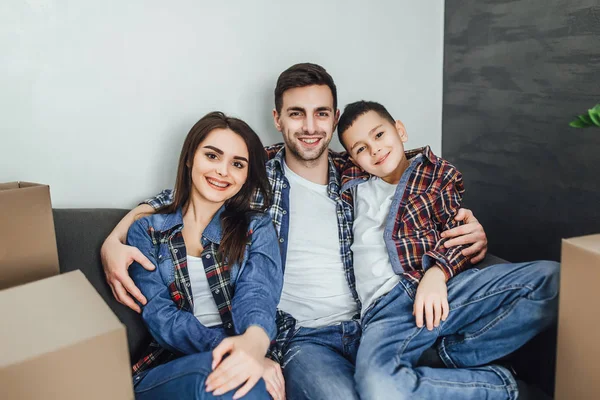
(238,209)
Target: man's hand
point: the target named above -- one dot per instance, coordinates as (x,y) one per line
(116,259)
(244,365)
(273,378)
(431,299)
(470,233)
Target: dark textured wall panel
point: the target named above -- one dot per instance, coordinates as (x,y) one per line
(515,72)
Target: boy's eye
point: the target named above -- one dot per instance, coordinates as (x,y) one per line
(360,149)
(380,134)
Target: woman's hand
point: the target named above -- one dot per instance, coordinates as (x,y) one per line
(431,299)
(470,233)
(243,366)
(273,378)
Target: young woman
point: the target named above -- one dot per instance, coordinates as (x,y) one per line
(218,274)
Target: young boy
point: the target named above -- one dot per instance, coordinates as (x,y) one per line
(408,199)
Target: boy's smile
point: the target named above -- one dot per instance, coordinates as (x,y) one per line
(376,145)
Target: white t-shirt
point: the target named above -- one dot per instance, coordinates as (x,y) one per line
(315,290)
(205,308)
(372,267)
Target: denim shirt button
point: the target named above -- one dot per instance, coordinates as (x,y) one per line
(280,240)
(208,256)
(284,212)
(175,251)
(284,186)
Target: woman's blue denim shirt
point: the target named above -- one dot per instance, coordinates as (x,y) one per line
(256,282)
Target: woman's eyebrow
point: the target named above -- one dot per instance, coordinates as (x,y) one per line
(221,152)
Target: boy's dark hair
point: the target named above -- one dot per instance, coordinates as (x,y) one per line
(301,75)
(354,110)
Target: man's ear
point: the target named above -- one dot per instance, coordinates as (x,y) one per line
(401,131)
(276,120)
(336,118)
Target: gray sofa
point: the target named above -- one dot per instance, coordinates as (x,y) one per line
(80,233)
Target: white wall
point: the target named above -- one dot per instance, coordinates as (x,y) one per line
(96,97)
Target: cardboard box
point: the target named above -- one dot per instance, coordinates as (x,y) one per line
(59,340)
(578,352)
(27,239)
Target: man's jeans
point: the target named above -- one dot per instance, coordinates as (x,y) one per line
(318,363)
(184,379)
(493,312)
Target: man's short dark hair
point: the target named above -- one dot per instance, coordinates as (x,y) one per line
(301,75)
(354,110)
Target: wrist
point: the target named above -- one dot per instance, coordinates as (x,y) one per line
(436,271)
(256,334)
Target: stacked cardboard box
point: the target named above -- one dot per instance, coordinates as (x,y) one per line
(577,369)
(58,339)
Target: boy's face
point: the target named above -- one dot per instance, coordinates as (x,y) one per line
(307,121)
(376,145)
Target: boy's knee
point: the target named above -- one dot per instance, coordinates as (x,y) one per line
(375,383)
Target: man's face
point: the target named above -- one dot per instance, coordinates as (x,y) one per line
(307,121)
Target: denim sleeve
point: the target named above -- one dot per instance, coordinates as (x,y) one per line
(259,283)
(174,329)
(162,199)
(450,260)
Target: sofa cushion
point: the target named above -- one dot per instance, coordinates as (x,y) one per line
(79,236)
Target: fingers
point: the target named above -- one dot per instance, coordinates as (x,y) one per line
(246,388)
(231,376)
(437,313)
(274,381)
(129,285)
(123,297)
(464,214)
(479,257)
(138,256)
(418,312)
(429,315)
(445,309)
(223,348)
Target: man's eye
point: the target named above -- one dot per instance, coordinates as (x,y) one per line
(360,149)
(323,114)
(294,114)
(380,134)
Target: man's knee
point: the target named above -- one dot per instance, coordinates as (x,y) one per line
(548,273)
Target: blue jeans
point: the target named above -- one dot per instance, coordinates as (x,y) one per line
(493,312)
(318,363)
(184,379)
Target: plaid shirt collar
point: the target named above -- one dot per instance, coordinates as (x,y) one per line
(333,186)
(353,174)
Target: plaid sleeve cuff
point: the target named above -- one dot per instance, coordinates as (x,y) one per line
(162,199)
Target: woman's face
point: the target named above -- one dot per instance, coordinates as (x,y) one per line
(220,166)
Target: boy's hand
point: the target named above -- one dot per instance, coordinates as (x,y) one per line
(243,367)
(431,299)
(273,378)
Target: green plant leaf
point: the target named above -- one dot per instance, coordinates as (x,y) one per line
(585,118)
(597,108)
(595,116)
(578,124)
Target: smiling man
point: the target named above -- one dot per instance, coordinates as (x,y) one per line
(318,317)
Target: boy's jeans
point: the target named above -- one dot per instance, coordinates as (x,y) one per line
(493,312)
(184,379)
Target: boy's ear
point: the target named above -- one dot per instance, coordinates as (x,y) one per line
(401,131)
(276,120)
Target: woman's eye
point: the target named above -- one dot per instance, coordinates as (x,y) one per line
(238,165)
(212,156)
(380,134)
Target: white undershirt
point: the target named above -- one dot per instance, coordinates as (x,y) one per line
(372,267)
(205,308)
(315,290)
